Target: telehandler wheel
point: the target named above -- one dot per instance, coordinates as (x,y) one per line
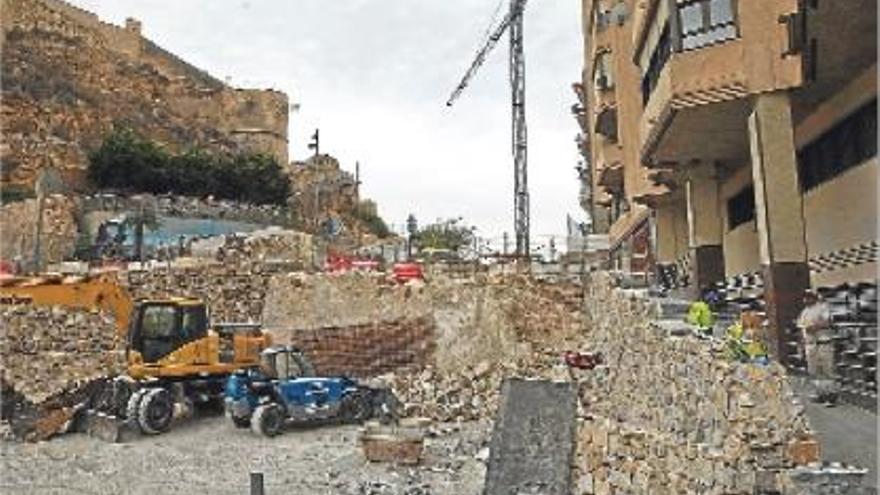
(268,420)
(155,411)
(356,407)
(239,421)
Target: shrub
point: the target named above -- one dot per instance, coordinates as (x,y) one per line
(373,223)
(10,193)
(128,162)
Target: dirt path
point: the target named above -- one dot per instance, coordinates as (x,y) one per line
(211,456)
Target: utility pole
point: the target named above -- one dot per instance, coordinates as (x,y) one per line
(316,142)
(357,180)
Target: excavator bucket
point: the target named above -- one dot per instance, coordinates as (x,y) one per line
(106,427)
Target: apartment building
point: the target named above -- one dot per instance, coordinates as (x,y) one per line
(734,139)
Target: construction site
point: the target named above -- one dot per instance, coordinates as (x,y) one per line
(187,308)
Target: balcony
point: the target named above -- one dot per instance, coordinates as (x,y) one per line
(700,60)
(611,178)
(606,123)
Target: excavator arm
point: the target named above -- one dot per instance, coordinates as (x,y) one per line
(101,292)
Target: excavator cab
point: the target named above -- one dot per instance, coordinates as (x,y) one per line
(160,327)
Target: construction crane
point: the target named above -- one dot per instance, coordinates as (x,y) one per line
(514,22)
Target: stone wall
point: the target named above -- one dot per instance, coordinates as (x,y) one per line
(233,292)
(18,227)
(672,415)
(69,79)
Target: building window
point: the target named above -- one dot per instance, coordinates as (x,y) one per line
(659,57)
(741,208)
(705,22)
(849,143)
(603,76)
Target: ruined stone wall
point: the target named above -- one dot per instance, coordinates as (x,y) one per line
(69,79)
(18,228)
(299,301)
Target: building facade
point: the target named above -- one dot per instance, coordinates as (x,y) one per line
(735,140)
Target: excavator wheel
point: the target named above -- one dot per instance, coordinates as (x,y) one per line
(134,403)
(155,411)
(268,419)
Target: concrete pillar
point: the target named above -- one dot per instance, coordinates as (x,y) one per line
(704,226)
(779,213)
(601,219)
(665,233)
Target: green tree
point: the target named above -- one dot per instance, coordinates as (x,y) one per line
(449,234)
(373,222)
(126,161)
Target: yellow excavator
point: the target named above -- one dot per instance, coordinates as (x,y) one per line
(175,357)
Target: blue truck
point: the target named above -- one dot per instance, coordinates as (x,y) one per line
(284,390)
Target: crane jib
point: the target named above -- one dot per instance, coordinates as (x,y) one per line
(514,21)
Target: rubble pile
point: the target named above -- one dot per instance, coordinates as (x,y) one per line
(472,394)
(672,415)
(58,237)
(52,360)
(269,244)
(234,292)
(489,329)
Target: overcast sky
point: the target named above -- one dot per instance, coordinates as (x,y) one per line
(374,76)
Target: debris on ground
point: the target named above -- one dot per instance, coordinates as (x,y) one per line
(400,444)
(260,245)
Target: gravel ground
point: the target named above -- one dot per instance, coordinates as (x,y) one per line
(211,456)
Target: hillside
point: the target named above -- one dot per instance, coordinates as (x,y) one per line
(69,79)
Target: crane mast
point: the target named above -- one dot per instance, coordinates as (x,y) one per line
(519,136)
(518,129)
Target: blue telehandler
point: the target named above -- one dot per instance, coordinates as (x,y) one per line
(284,390)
